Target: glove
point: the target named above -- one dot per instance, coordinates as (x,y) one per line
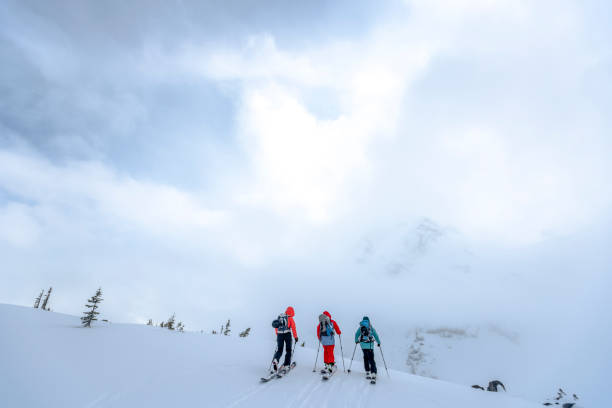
(378,344)
(296,339)
(357,342)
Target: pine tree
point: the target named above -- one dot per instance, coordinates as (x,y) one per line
(90,315)
(221,331)
(227,330)
(180,326)
(44,305)
(150,322)
(162,324)
(245,333)
(38,299)
(170,322)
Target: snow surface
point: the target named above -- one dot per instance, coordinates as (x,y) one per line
(49,360)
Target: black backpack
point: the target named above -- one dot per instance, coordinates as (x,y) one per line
(366,335)
(281,323)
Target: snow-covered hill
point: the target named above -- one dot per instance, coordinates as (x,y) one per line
(49,360)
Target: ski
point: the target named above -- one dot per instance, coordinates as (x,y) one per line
(282,373)
(277,374)
(268,378)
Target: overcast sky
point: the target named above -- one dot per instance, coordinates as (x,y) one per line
(207,158)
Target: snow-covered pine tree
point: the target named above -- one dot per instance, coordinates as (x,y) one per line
(245,333)
(150,322)
(170,322)
(46,301)
(90,315)
(180,326)
(38,299)
(227,330)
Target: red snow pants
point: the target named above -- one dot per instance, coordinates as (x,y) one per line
(328,354)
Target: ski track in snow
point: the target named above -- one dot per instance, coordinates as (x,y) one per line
(248,394)
(303,397)
(98,400)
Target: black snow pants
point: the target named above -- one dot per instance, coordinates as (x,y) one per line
(283,339)
(368,360)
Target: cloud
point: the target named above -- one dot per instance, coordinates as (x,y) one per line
(302,161)
(17,226)
(485,150)
(91,190)
(223,148)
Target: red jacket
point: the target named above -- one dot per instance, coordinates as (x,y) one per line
(290,322)
(333,322)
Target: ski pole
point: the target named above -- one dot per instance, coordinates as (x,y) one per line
(293,352)
(350,365)
(342,353)
(271,361)
(384,362)
(317,359)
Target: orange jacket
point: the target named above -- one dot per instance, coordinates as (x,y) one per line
(290,322)
(333,322)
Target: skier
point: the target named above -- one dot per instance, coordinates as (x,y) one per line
(365,336)
(326,330)
(284,327)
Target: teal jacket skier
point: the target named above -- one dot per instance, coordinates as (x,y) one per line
(365,336)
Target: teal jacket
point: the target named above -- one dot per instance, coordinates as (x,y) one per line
(365,345)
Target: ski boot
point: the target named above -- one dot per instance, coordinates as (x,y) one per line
(368,376)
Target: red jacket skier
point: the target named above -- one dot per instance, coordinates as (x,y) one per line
(326,329)
(283,338)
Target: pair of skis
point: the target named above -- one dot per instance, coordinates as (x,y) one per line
(279,374)
(326,374)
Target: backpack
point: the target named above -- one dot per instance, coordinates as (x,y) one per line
(281,323)
(366,334)
(326,328)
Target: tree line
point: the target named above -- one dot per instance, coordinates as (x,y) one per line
(93,303)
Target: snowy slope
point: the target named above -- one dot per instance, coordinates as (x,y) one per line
(48,360)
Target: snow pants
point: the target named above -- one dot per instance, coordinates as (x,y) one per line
(328,354)
(368,360)
(283,339)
